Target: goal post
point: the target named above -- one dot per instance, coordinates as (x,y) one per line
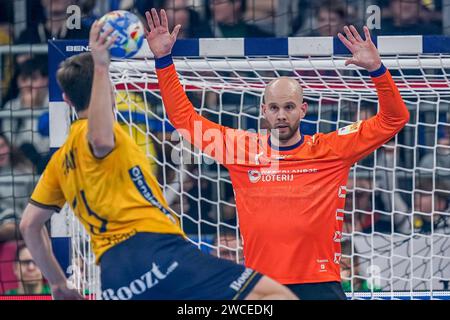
(396,239)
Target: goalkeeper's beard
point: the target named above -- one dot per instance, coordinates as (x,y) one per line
(285,135)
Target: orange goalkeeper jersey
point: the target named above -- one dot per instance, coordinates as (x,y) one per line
(289,201)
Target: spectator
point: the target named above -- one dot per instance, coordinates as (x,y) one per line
(32,81)
(442,157)
(386,181)
(14,194)
(329,18)
(431,206)
(228,246)
(302,18)
(29,276)
(179,12)
(54,26)
(8,224)
(6,28)
(264,14)
(228,20)
(364,205)
(87,12)
(407,17)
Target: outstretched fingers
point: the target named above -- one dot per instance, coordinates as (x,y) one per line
(367,33)
(356,33)
(175,31)
(349,35)
(150,23)
(155,17)
(164,21)
(345,41)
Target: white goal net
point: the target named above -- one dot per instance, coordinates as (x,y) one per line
(396,240)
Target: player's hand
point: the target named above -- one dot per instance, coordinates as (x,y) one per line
(365,54)
(100,44)
(63,292)
(159,39)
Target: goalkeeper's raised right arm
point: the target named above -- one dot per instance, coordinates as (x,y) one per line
(356,141)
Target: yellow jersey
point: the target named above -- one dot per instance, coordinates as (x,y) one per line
(114,197)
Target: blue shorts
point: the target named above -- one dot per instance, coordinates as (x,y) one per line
(166,266)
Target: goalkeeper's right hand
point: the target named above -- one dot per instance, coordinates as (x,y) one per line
(160,41)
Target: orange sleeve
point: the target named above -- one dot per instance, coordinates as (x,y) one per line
(206,135)
(359,139)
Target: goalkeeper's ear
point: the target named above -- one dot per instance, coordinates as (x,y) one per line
(304,108)
(263,109)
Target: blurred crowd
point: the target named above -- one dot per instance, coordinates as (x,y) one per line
(396,190)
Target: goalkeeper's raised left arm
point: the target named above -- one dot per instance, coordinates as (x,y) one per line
(356,141)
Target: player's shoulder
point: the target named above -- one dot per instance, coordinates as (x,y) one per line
(347,130)
(315,139)
(320,140)
(56,160)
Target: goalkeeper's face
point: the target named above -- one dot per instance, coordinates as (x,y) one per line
(283,107)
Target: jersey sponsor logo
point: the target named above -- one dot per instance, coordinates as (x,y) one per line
(254,176)
(138,286)
(277,175)
(139,181)
(354,127)
(239,282)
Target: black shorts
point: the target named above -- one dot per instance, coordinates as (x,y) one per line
(318,291)
(165,266)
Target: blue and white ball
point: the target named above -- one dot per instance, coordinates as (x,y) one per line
(129,30)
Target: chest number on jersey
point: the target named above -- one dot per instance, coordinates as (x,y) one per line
(91,213)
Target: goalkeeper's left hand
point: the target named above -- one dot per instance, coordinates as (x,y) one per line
(365,54)
(159,39)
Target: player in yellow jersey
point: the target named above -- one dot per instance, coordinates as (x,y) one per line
(107,181)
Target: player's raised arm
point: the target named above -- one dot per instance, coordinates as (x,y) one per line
(179,109)
(360,139)
(100,114)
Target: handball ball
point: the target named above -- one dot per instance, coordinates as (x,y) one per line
(129,31)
